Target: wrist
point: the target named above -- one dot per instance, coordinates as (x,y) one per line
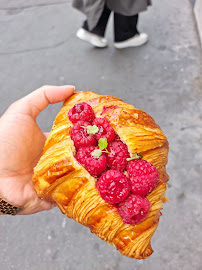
(8,202)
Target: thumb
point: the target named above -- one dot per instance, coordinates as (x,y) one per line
(38,100)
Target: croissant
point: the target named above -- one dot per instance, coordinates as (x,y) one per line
(60,178)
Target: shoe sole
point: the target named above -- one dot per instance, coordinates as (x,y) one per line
(127,44)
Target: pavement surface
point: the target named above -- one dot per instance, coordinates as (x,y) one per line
(38,46)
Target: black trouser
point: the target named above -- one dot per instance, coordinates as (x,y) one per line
(125,27)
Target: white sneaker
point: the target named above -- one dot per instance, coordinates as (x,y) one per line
(93,39)
(135,41)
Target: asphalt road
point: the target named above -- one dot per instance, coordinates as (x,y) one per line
(38,46)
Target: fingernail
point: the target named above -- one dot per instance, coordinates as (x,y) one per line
(69,86)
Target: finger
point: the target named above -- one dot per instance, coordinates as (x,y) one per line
(41,206)
(38,100)
(46,134)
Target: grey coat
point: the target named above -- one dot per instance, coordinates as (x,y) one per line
(93,8)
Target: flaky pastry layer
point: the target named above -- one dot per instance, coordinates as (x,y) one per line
(60,178)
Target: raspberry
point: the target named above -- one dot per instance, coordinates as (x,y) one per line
(117,138)
(80,136)
(143,176)
(118,153)
(134,209)
(95,166)
(81,112)
(113,186)
(105,129)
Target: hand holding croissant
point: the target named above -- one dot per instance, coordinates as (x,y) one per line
(61,178)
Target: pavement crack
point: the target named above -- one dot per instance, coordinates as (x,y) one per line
(189,127)
(36,49)
(33,6)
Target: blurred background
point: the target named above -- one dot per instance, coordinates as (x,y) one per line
(38,46)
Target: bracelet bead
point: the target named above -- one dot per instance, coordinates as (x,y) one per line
(9,209)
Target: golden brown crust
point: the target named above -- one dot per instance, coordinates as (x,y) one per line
(59,177)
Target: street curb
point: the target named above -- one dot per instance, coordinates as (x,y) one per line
(198,16)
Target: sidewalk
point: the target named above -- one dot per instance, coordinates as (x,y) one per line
(38,46)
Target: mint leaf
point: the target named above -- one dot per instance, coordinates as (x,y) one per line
(135,156)
(92,129)
(129,159)
(102,143)
(140,155)
(96,153)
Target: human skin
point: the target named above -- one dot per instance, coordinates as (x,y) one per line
(21,146)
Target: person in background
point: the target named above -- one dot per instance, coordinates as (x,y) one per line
(126,16)
(21,144)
